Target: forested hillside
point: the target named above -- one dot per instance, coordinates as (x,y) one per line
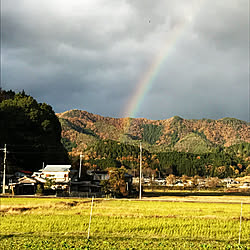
(173,146)
(81,129)
(31,131)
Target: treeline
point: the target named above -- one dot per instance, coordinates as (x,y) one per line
(232,161)
(113,149)
(218,164)
(31,131)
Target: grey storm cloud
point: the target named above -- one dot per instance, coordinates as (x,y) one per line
(91,55)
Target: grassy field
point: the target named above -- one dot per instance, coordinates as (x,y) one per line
(201,196)
(121,224)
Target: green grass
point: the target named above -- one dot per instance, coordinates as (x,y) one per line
(120,224)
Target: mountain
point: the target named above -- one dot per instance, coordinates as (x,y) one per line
(81,129)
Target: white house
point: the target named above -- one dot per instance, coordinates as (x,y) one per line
(245,185)
(59,173)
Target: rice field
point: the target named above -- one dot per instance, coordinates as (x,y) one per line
(35,223)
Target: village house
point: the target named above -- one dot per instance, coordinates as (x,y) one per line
(92,185)
(84,187)
(57,173)
(98,176)
(26,185)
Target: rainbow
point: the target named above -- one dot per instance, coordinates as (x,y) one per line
(147,80)
(145,83)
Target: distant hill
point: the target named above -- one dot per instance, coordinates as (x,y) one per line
(81,130)
(31,131)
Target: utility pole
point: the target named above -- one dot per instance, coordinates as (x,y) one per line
(4,167)
(240,222)
(90,216)
(80,168)
(140,170)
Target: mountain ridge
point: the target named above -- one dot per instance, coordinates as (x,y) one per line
(82,129)
(144,118)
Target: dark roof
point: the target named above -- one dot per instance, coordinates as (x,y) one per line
(92,172)
(25,171)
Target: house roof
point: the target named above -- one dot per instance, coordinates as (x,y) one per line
(29,180)
(57,168)
(24,171)
(39,179)
(26,180)
(93,172)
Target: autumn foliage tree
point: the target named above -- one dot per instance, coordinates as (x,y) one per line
(116,184)
(171,179)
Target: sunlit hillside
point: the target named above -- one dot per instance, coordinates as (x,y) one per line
(81,129)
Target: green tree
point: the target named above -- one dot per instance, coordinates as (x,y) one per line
(31,131)
(39,189)
(49,183)
(151,133)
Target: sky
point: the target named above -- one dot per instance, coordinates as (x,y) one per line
(130,58)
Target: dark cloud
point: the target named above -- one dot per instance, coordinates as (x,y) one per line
(91,55)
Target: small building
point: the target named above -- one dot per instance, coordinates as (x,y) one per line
(245,185)
(58,173)
(27,185)
(160,181)
(98,175)
(179,183)
(84,187)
